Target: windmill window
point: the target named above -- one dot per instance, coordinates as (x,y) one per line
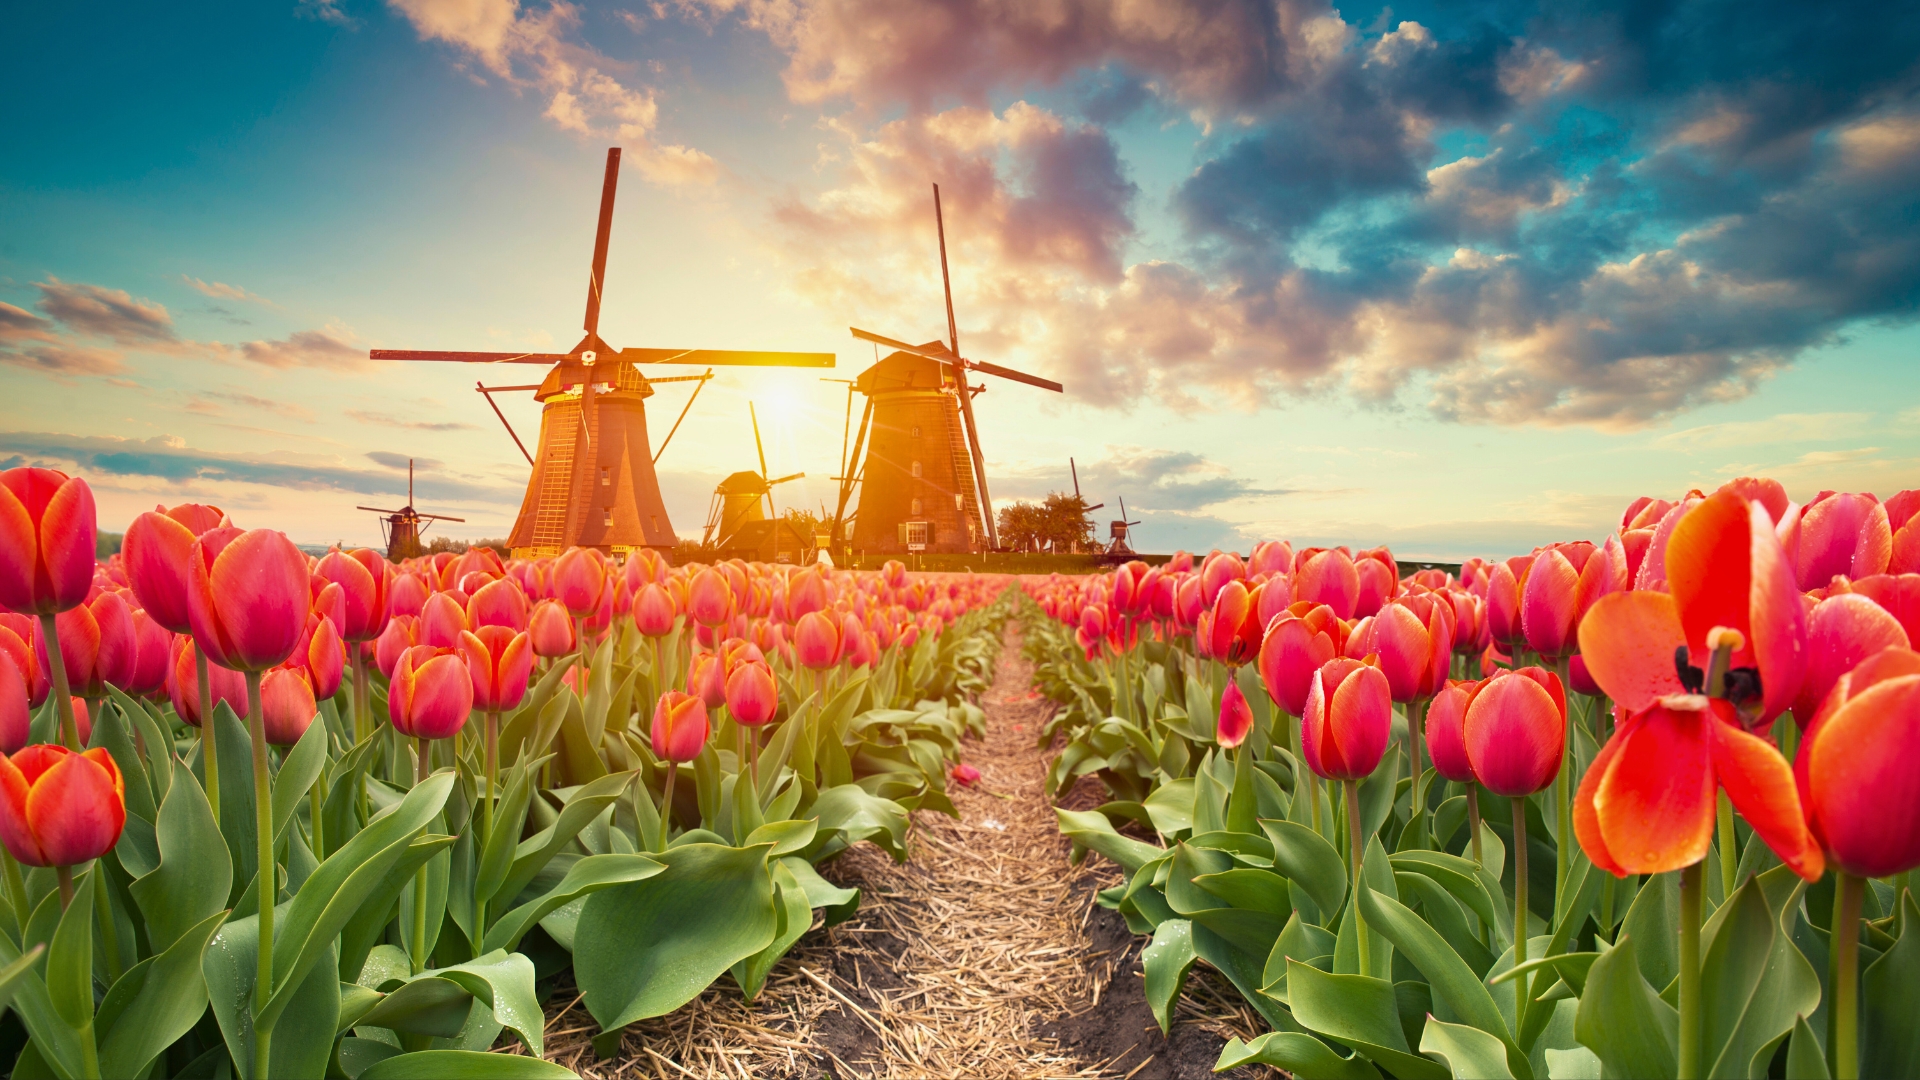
(608,518)
(916,470)
(606,478)
(916,432)
(916,506)
(917,532)
(655,518)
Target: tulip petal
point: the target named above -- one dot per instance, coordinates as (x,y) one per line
(67,543)
(1655,804)
(261,596)
(76,808)
(1586,820)
(19,548)
(1550,604)
(1760,784)
(1858,764)
(14,830)
(1628,640)
(1708,560)
(1776,620)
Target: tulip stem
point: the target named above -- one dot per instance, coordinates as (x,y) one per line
(362,722)
(1473,822)
(1729,848)
(64,876)
(1416,739)
(1692,892)
(1563,801)
(1846,979)
(62,694)
(420,768)
(666,805)
(267,884)
(209,745)
(1520,927)
(1359,859)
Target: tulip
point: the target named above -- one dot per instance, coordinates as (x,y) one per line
(98,645)
(153,649)
(707,678)
(580,580)
(1515,731)
(155,551)
(1903,521)
(1447,749)
(1838,534)
(550,630)
(679,727)
(1550,599)
(247,597)
(709,598)
(1236,717)
(1842,631)
(1899,594)
(198,517)
(653,612)
(965,774)
(183,688)
(442,621)
(46,540)
(807,592)
(1327,576)
(397,638)
(499,663)
(1270,557)
(59,808)
(752,698)
(1579,679)
(431,694)
(407,595)
(498,603)
(323,657)
(1344,733)
(1504,623)
(1296,644)
(16,718)
(816,641)
(14,645)
(365,579)
(1219,568)
(1235,630)
(1379,579)
(287,705)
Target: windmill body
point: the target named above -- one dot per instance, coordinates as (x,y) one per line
(593,482)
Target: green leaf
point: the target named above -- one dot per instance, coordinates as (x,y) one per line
(1890,1000)
(1167,961)
(1754,983)
(111,730)
(591,874)
(195,875)
(848,813)
(1653,921)
(70,960)
(157,1001)
(1449,976)
(56,1041)
(1254,890)
(1299,940)
(1093,831)
(1308,862)
(1623,1020)
(836,904)
(303,1036)
(1242,969)
(1346,951)
(1466,882)
(1578,1063)
(533,853)
(1170,806)
(509,818)
(1470,1053)
(648,947)
(378,896)
(1360,1012)
(18,969)
(793,917)
(1243,804)
(463,1065)
(297,774)
(1805,1059)
(1301,1055)
(425,1005)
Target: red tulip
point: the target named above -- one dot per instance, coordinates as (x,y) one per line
(816,641)
(1349,715)
(653,612)
(364,577)
(1447,732)
(1516,730)
(59,808)
(1236,717)
(97,645)
(1220,568)
(965,774)
(1235,630)
(499,663)
(16,717)
(1855,773)
(286,705)
(324,657)
(679,726)
(153,651)
(580,580)
(442,621)
(1414,656)
(709,598)
(155,552)
(707,678)
(1842,630)
(21,645)
(1899,594)
(1838,534)
(183,684)
(1188,604)
(1646,805)
(1327,576)
(1295,646)
(1503,602)
(247,597)
(47,537)
(752,697)
(431,694)
(550,630)
(1903,518)
(397,638)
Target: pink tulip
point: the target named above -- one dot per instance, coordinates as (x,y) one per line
(653,612)
(1838,534)
(550,629)
(98,645)
(1379,580)
(1550,599)
(431,694)
(153,650)
(58,807)
(407,595)
(1447,734)
(1903,519)
(1842,631)
(580,580)
(1270,557)
(1503,602)
(709,598)
(498,603)
(286,705)
(1220,568)
(1899,594)
(965,774)
(324,658)
(1349,715)
(47,537)
(1516,730)
(1413,655)
(1236,717)
(442,621)
(816,641)
(15,716)
(707,678)
(1235,630)
(1327,576)
(751,696)
(247,597)
(680,727)
(20,642)
(397,638)
(499,664)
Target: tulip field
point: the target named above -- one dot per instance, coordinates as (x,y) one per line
(1646,808)
(429,768)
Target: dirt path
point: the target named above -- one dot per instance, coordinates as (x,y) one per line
(984,956)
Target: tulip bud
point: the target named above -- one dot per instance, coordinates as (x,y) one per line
(59,808)
(47,537)
(1516,730)
(816,641)
(155,551)
(1856,767)
(431,694)
(442,620)
(550,630)
(1348,717)
(247,597)
(653,612)
(580,580)
(1236,717)
(1446,732)
(286,705)
(707,678)
(679,726)
(751,695)
(499,663)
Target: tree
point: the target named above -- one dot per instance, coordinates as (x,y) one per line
(1059,523)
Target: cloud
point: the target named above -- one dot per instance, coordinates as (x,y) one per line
(221,291)
(1151,479)
(410,423)
(207,401)
(328,348)
(109,313)
(326,11)
(168,457)
(1783,428)
(402,461)
(532,48)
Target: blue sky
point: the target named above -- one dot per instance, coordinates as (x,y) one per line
(1460,278)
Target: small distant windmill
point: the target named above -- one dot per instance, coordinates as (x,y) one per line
(923,481)
(593,481)
(1078,498)
(1120,532)
(401,529)
(741,515)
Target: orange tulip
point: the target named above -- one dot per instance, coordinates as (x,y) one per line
(1235,630)
(1903,520)
(1646,805)
(19,639)
(707,679)
(407,595)
(247,597)
(580,580)
(550,630)
(431,694)
(47,537)
(499,602)
(16,717)
(1515,730)
(1379,578)
(710,598)
(1414,653)
(183,686)
(499,663)
(287,705)
(1219,568)
(397,638)
(679,726)
(59,808)
(97,645)
(1348,717)
(1503,602)
(1857,763)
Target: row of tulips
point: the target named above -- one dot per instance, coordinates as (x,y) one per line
(1646,807)
(269,815)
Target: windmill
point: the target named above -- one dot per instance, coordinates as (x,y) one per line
(741,514)
(593,481)
(923,481)
(401,529)
(1120,532)
(1086,526)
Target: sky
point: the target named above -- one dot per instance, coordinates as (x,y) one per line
(1459,278)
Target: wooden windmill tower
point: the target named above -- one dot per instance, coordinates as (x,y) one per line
(923,482)
(593,482)
(741,515)
(402,528)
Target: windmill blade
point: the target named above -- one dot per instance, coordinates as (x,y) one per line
(600,237)
(751,415)
(946,283)
(727,357)
(440,517)
(932,351)
(468,357)
(376,510)
(1017,376)
(784,479)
